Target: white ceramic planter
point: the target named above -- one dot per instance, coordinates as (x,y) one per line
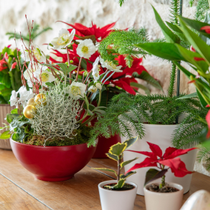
(164,201)
(161,135)
(117,200)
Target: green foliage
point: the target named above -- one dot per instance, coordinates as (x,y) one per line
(174,11)
(122,42)
(10,77)
(116,153)
(201,9)
(126,114)
(35,32)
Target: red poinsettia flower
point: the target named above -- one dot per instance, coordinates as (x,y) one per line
(3,65)
(206,29)
(99,33)
(169,158)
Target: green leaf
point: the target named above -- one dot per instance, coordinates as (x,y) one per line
(120,184)
(113,157)
(169,35)
(148,78)
(197,25)
(189,56)
(200,46)
(127,162)
(167,51)
(65,68)
(14,111)
(106,169)
(130,141)
(5,135)
(153,174)
(11,117)
(125,176)
(118,149)
(192,95)
(137,85)
(202,100)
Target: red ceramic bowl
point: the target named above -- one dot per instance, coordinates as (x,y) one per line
(52,163)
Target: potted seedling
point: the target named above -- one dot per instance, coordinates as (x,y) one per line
(118,194)
(162,195)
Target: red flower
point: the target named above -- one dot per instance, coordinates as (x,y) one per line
(169,159)
(206,29)
(14,65)
(208,122)
(99,33)
(3,65)
(6,55)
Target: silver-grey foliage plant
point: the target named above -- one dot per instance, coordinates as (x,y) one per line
(56,116)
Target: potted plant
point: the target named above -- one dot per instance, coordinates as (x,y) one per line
(10,79)
(166,118)
(118,194)
(121,81)
(162,195)
(55,107)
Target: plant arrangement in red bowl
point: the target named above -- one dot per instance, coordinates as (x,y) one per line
(162,196)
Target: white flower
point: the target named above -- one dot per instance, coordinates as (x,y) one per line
(13,99)
(98,85)
(29,75)
(95,70)
(65,38)
(86,48)
(25,95)
(77,89)
(44,75)
(110,65)
(92,89)
(39,55)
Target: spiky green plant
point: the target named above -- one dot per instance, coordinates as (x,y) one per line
(127,113)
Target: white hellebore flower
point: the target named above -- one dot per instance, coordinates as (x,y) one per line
(29,75)
(98,85)
(77,89)
(86,48)
(92,89)
(25,95)
(13,99)
(39,55)
(65,38)
(110,65)
(44,75)
(95,70)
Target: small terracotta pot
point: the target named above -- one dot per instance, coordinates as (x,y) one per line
(117,200)
(164,201)
(52,163)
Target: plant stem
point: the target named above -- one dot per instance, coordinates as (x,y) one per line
(80,60)
(68,62)
(99,100)
(118,169)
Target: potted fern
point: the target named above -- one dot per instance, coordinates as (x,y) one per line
(118,194)
(162,115)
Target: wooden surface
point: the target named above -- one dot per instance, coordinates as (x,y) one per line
(20,190)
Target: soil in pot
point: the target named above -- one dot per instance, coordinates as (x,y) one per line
(165,189)
(125,187)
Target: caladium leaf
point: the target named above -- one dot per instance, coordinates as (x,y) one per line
(153,174)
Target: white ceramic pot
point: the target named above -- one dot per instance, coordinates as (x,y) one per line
(117,200)
(164,201)
(161,135)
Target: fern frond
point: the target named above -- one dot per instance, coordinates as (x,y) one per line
(204,156)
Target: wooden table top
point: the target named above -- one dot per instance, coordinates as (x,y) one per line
(20,190)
